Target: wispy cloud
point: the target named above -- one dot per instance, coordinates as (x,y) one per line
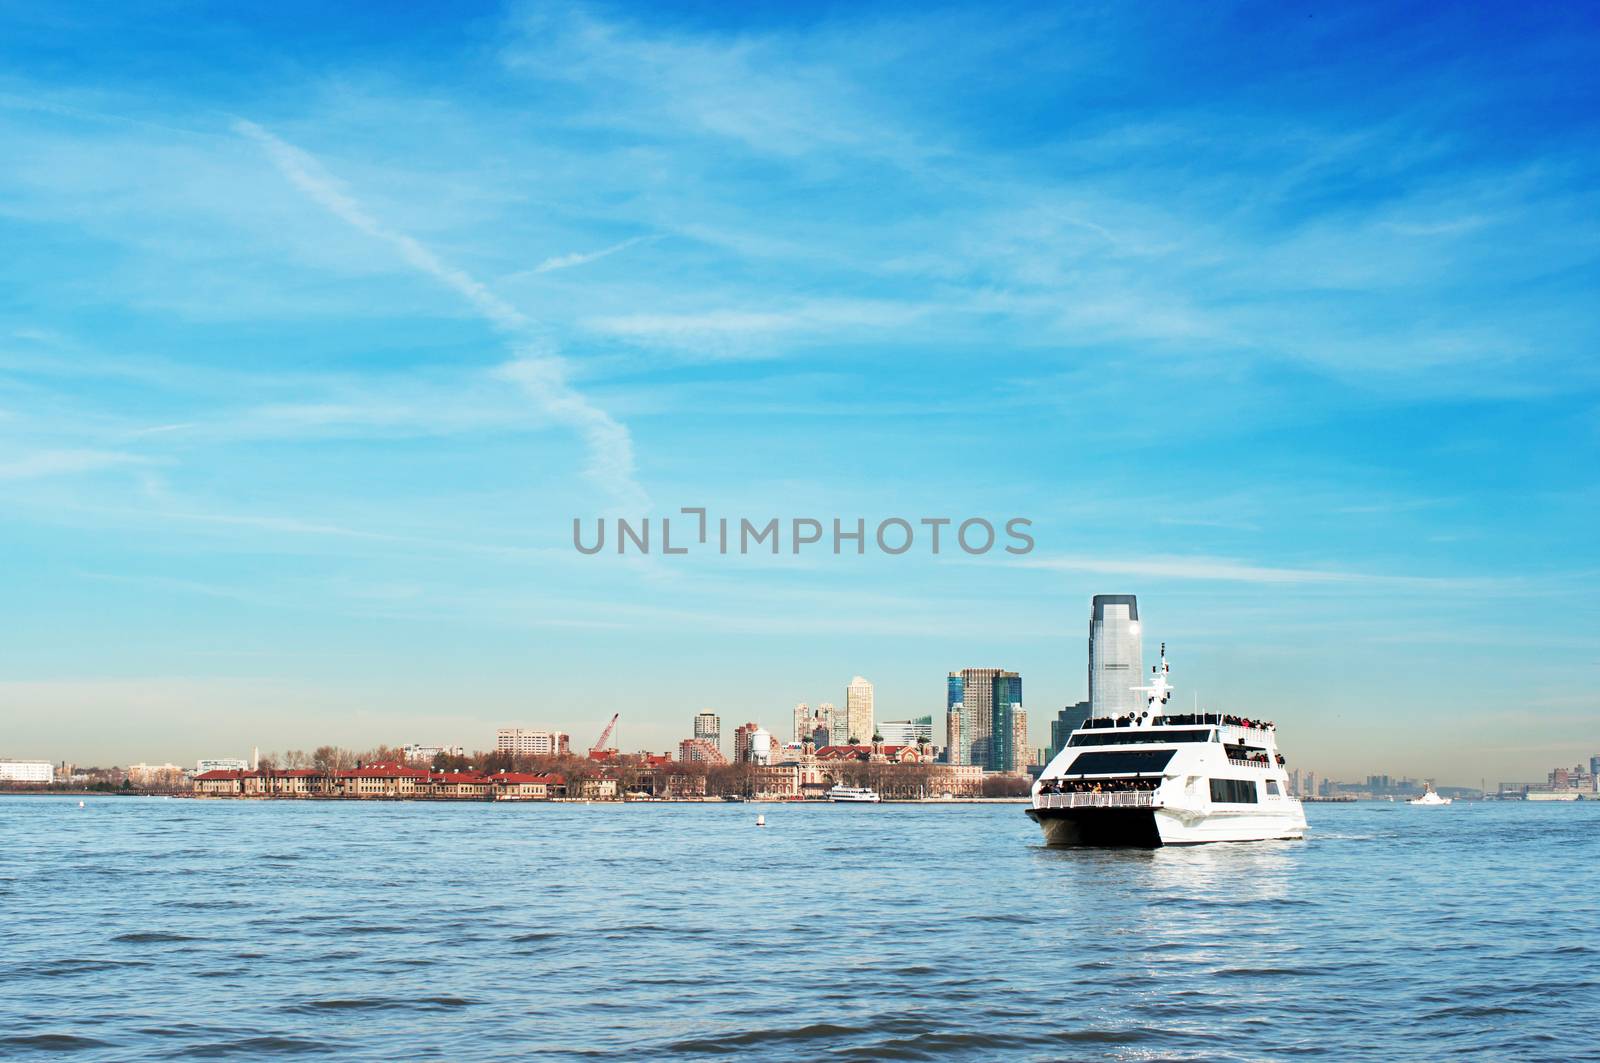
(45,463)
(541,374)
(1231,570)
(582,258)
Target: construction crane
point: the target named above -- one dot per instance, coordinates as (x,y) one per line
(600,749)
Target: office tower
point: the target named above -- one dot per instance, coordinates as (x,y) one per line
(981,725)
(708,728)
(1594,765)
(974,717)
(906,732)
(1005,712)
(1067,720)
(802,722)
(858,711)
(1116,656)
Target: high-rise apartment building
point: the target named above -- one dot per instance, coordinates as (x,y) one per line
(858,711)
(980,725)
(1018,753)
(1006,753)
(830,719)
(802,722)
(708,728)
(1069,719)
(1116,656)
(526,741)
(700,751)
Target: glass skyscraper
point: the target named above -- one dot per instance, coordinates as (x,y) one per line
(1116,656)
(1067,720)
(1005,710)
(982,706)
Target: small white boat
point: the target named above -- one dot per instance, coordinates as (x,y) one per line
(853,795)
(1429,798)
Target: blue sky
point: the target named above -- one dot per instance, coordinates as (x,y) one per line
(318,328)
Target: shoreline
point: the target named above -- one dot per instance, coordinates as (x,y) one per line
(184,796)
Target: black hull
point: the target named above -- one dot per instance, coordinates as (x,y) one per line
(1100,828)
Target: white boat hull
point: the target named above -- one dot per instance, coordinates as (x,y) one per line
(1150,828)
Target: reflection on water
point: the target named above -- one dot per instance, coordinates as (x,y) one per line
(137,927)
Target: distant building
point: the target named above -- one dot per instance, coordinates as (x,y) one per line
(221,764)
(858,710)
(1017,753)
(700,751)
(524,741)
(708,728)
(417,754)
(981,726)
(906,732)
(1069,719)
(832,720)
(809,723)
(748,740)
(28,771)
(1116,656)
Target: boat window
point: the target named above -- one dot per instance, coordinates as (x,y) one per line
(1120,762)
(1234,791)
(1138,738)
(1272,787)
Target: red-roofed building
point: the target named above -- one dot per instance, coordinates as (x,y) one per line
(522,786)
(288,782)
(222,782)
(470,784)
(383,778)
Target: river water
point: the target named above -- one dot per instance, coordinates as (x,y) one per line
(140,928)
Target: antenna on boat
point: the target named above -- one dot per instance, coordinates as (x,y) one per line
(1159,690)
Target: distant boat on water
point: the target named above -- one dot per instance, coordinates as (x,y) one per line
(1429,798)
(853,795)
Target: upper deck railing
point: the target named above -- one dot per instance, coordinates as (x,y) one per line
(1125,799)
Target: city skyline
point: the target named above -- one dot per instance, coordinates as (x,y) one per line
(1281,323)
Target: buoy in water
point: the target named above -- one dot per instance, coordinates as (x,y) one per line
(761,821)
(80,804)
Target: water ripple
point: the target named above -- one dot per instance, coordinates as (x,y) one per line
(216,929)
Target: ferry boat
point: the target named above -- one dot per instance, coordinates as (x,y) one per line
(1431,797)
(853,794)
(1161,779)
